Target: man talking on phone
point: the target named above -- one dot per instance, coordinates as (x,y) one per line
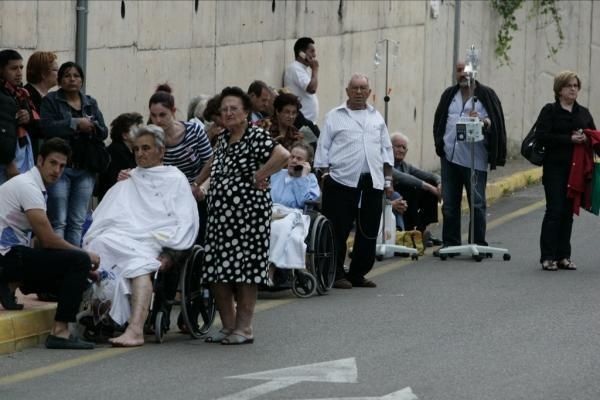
(302,82)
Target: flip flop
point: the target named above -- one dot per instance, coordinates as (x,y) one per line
(217,337)
(236,339)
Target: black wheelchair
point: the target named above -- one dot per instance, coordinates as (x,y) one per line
(319,275)
(196,300)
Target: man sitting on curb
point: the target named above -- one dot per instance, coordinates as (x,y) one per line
(57,266)
(422,191)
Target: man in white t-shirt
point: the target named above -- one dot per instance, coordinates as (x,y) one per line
(54,265)
(302,82)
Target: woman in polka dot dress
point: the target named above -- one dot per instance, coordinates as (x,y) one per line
(239,216)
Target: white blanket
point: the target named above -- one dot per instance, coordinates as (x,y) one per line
(137,217)
(289,228)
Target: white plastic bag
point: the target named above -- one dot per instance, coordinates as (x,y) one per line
(389,230)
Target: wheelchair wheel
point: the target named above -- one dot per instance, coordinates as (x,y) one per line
(197,301)
(304,284)
(323,253)
(159,326)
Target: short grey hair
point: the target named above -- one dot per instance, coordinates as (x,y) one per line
(197,106)
(152,130)
(399,135)
(358,75)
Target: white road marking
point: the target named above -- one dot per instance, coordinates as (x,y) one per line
(338,371)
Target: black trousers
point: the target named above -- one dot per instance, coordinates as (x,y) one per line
(344,206)
(555,239)
(422,207)
(63,272)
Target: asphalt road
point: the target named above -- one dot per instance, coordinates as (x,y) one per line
(448,330)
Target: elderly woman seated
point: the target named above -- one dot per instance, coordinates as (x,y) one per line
(138,218)
(291,188)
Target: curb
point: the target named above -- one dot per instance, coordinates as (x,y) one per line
(26,328)
(29,328)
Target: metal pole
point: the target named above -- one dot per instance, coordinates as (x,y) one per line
(81,36)
(386,98)
(456,34)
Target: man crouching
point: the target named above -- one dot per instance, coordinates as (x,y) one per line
(138,217)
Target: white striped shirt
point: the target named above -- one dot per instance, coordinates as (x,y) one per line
(345,143)
(191,153)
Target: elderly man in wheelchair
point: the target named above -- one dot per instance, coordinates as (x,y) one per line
(294,190)
(139,221)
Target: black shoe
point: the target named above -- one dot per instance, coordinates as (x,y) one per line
(8,299)
(436,253)
(49,297)
(71,343)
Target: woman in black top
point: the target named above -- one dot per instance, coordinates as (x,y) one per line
(558,128)
(121,155)
(42,75)
(70,114)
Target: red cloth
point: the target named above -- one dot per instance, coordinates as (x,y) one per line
(579,187)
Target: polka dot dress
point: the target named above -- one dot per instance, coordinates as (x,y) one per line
(239,214)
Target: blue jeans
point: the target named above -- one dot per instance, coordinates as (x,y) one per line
(399,217)
(68,201)
(454,177)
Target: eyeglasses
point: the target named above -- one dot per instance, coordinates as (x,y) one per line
(225,110)
(400,146)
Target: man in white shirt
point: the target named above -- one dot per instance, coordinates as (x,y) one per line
(55,266)
(300,81)
(354,152)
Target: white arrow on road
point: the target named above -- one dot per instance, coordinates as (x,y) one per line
(338,371)
(404,394)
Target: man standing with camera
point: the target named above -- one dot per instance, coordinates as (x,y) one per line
(468,98)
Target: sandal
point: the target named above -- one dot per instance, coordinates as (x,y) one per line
(217,337)
(565,263)
(549,265)
(237,339)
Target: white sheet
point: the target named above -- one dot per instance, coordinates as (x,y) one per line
(137,217)
(289,228)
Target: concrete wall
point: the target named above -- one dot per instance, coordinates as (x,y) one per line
(235,42)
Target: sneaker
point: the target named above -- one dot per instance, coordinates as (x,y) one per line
(342,284)
(70,343)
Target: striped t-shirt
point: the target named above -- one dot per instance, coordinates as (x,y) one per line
(191,153)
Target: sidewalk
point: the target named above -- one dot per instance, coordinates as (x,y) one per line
(29,327)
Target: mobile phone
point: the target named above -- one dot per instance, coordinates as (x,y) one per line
(302,55)
(298,168)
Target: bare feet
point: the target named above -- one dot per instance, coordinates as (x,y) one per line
(128,339)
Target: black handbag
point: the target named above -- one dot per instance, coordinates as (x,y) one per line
(90,154)
(531,149)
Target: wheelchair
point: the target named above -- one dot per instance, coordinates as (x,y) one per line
(319,275)
(197,303)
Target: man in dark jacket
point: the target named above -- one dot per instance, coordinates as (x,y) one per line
(464,100)
(16,118)
(421,189)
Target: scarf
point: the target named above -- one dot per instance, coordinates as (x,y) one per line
(23,100)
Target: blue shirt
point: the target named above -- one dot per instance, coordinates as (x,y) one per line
(293,191)
(23,159)
(459,152)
